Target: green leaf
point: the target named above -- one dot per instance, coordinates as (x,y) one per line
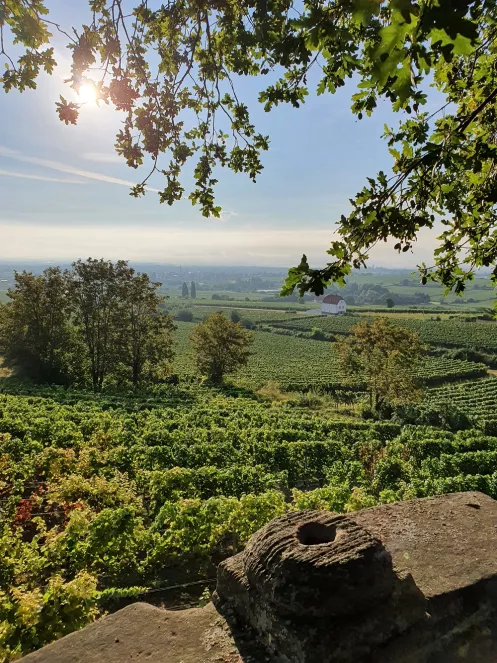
(364,10)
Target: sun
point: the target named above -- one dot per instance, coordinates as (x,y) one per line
(87,93)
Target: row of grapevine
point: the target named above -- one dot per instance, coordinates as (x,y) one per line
(300,364)
(446,333)
(478,399)
(104,496)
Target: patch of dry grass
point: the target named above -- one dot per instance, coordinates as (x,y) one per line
(4,371)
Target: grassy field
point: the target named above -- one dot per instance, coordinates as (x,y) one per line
(256,315)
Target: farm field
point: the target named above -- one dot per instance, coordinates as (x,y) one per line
(255,315)
(480,290)
(448,333)
(301,364)
(175,303)
(113,497)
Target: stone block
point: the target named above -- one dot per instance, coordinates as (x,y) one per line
(407,582)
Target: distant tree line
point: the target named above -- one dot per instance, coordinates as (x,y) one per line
(369,294)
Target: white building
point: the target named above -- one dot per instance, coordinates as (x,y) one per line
(333,305)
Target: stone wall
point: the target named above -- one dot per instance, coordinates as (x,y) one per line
(413,581)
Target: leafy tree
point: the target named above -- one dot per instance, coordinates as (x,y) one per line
(184,316)
(36,335)
(235,316)
(193,290)
(443,161)
(383,356)
(146,332)
(221,346)
(184,291)
(95,292)
(390,303)
(116,312)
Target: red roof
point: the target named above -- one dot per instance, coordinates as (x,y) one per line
(332,299)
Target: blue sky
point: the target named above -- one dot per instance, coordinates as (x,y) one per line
(65,194)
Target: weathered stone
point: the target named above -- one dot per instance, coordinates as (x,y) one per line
(303,637)
(447,543)
(141,633)
(433,563)
(318,563)
(401,583)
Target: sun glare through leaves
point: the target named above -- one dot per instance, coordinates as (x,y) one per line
(87,93)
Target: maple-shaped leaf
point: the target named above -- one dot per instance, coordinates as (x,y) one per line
(68,111)
(122,94)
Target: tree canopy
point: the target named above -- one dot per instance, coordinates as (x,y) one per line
(221,346)
(383,355)
(165,64)
(94,324)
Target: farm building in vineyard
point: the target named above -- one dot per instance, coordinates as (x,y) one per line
(333,305)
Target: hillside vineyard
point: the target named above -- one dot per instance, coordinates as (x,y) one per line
(118,496)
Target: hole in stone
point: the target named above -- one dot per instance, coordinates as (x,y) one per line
(473,505)
(312,534)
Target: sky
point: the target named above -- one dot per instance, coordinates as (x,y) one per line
(64,193)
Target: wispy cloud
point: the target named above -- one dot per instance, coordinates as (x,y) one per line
(65,168)
(227,214)
(103,157)
(41,178)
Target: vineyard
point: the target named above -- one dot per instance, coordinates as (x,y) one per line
(446,333)
(108,498)
(301,364)
(477,398)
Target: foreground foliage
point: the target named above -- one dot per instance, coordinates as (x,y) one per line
(105,497)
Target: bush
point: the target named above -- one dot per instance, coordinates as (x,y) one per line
(368,413)
(184,316)
(247,323)
(318,334)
